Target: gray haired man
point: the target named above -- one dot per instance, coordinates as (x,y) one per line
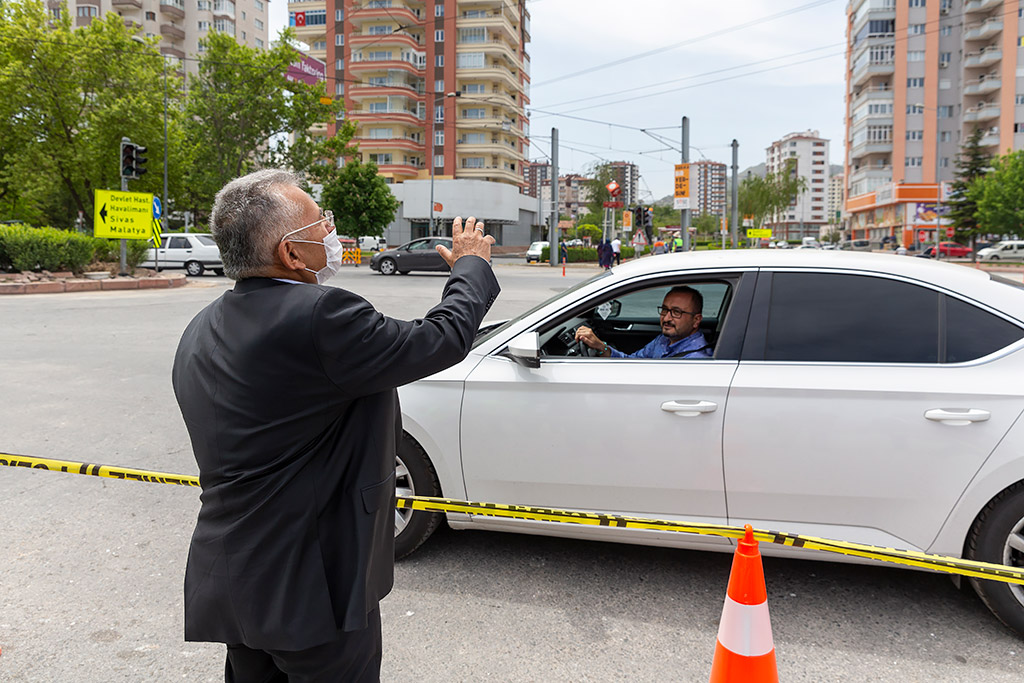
(288,390)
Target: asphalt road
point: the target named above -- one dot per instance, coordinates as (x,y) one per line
(91,569)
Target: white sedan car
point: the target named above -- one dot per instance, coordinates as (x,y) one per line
(195,252)
(850,396)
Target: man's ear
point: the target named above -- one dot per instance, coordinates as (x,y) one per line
(289,257)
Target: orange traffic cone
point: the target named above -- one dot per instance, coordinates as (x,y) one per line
(745,650)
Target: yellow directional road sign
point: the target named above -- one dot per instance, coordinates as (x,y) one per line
(759,233)
(123,215)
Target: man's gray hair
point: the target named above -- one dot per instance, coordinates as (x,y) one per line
(250,216)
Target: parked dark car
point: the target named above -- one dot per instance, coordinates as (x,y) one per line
(416,255)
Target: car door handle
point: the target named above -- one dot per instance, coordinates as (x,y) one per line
(689,408)
(956,417)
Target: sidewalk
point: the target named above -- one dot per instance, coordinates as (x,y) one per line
(60,283)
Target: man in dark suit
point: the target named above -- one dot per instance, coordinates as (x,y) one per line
(288,390)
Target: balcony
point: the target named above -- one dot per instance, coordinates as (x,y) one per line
(403,15)
(397,114)
(404,144)
(493,21)
(383,40)
(137,4)
(986,111)
(383,89)
(171,31)
(500,174)
(990,139)
(173,8)
(172,52)
(866,147)
(990,55)
(883,67)
(983,86)
(984,30)
(972,6)
(224,8)
(358,65)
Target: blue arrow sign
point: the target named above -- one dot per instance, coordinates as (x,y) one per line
(156,207)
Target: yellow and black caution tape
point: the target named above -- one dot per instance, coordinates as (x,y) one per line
(939,563)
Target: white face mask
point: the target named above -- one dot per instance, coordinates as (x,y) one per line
(332,249)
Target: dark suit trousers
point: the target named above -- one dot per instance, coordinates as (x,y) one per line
(352,658)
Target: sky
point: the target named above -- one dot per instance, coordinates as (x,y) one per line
(750,70)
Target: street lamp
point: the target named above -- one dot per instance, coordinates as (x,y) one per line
(938,182)
(430,146)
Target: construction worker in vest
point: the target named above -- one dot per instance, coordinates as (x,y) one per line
(677,243)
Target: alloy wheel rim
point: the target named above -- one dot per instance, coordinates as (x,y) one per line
(1013,556)
(404,487)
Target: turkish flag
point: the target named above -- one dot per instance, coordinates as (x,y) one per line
(300,18)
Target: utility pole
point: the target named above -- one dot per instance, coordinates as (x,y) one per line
(684,214)
(734,227)
(553,251)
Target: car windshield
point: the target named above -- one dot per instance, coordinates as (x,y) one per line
(497,330)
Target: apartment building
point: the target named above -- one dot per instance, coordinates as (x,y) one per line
(921,76)
(535,175)
(180,24)
(627,175)
(836,187)
(707,187)
(438,88)
(804,154)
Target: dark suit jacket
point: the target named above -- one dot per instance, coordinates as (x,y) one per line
(288,393)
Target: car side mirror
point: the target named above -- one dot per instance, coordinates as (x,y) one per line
(525,350)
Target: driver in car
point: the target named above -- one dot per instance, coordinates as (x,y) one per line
(680,314)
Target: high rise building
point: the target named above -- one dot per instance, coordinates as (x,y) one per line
(921,76)
(438,88)
(182,23)
(535,175)
(707,187)
(805,155)
(573,195)
(836,186)
(627,175)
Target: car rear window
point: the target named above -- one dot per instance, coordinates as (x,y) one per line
(207,240)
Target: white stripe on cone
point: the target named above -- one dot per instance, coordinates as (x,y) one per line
(745,629)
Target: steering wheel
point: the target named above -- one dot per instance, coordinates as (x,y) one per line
(575,347)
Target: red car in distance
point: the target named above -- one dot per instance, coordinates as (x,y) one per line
(954,249)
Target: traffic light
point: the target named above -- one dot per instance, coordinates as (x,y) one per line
(132,161)
(649,217)
(638,217)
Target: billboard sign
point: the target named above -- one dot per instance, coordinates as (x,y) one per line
(308,70)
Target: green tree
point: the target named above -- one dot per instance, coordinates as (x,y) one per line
(360,199)
(765,197)
(707,225)
(240,110)
(69,97)
(598,177)
(971,164)
(585,230)
(1000,195)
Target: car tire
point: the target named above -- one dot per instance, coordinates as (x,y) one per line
(414,476)
(194,268)
(403,272)
(387,266)
(992,258)
(998,537)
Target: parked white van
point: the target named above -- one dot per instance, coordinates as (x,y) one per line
(367,243)
(1008,250)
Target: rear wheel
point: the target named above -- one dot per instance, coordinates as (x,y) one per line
(194,268)
(387,266)
(414,476)
(998,536)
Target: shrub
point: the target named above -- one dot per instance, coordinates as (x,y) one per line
(25,248)
(109,251)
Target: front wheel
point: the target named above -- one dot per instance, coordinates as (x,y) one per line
(387,266)
(993,258)
(998,536)
(194,268)
(414,476)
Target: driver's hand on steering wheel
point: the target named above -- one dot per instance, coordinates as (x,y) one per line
(587,336)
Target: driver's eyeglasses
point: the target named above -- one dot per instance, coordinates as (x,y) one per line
(674,312)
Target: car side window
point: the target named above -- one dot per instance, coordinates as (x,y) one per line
(851,318)
(421,245)
(207,240)
(973,333)
(179,243)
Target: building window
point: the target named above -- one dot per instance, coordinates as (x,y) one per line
(915,29)
(439,35)
(1018,128)
(381,159)
(946,111)
(917,3)
(473,162)
(1020,99)
(339,40)
(474,113)
(438,10)
(946,31)
(150,16)
(319,45)
(205,5)
(945,58)
(380,133)
(339,64)
(258,4)
(439,138)
(944,162)
(339,88)
(912,162)
(915,108)
(915,82)
(259,43)
(243,15)
(257,23)
(945,136)
(473,35)
(915,55)
(224,26)
(439,113)
(480,88)
(438,161)
(915,135)
(243,35)
(204,26)
(88,11)
(884,108)
(470,60)
(380,30)
(439,86)
(438,60)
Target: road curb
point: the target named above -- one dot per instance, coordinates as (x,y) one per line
(71,285)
